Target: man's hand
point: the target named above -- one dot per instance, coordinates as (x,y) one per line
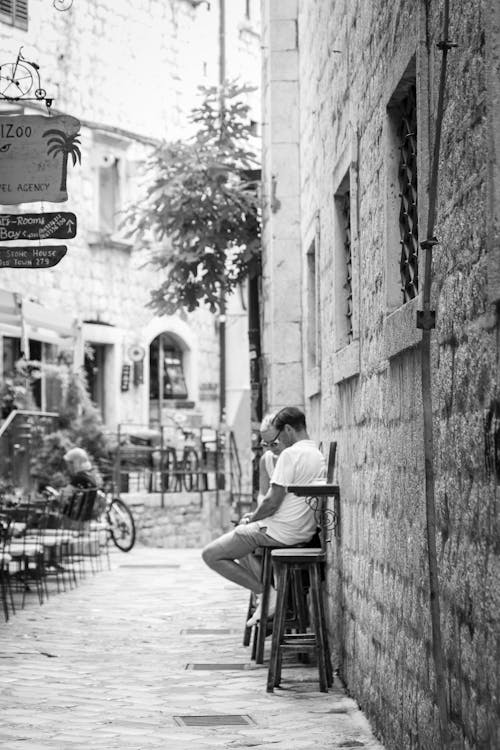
(271,502)
(245,518)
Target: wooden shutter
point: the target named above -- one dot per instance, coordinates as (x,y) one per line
(7,10)
(14,12)
(21,14)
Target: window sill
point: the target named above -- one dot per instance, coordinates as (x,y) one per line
(346,362)
(312,382)
(400,329)
(108,241)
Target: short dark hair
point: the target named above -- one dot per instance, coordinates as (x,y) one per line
(292,416)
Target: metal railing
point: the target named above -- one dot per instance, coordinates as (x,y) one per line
(172,459)
(163,460)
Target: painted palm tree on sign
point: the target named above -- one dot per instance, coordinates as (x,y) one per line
(62,143)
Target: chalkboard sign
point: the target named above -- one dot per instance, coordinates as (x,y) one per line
(60,225)
(43,256)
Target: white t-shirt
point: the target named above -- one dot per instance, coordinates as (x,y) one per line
(294,521)
(269,464)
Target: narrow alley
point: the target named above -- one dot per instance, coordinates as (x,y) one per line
(123,660)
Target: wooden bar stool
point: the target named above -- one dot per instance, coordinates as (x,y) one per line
(289,565)
(266,577)
(263,627)
(260,629)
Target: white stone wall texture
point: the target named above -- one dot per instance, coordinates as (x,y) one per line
(129,71)
(351,58)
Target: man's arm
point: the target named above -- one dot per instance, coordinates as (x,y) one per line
(271,502)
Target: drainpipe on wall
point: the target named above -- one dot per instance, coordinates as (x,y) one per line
(222,314)
(426,321)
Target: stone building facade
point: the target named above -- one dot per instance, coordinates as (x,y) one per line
(129,72)
(349,96)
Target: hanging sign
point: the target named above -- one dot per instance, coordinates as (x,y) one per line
(34,156)
(125,381)
(43,256)
(60,226)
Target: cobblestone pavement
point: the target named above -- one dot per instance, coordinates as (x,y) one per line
(109,665)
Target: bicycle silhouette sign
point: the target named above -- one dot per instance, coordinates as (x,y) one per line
(35,152)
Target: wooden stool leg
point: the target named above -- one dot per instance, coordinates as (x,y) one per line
(318,624)
(326,645)
(248,630)
(300,605)
(261,627)
(274,673)
(301,618)
(254,643)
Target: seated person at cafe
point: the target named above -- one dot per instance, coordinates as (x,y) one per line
(79,497)
(267,462)
(282,519)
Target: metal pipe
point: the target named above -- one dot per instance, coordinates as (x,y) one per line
(222,315)
(426,322)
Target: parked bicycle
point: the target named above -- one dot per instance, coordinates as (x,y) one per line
(120,522)
(116,517)
(180,467)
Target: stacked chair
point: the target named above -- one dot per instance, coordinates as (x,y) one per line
(42,542)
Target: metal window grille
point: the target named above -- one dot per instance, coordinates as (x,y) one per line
(14,12)
(408,213)
(346,217)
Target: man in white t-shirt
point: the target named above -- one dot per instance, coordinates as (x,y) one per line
(282,519)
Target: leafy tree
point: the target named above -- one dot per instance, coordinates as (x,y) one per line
(78,424)
(201,206)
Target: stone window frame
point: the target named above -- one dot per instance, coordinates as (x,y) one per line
(346,358)
(312,308)
(400,329)
(113,151)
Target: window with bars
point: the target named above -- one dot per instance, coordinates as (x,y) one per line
(14,12)
(345,210)
(343,264)
(408,208)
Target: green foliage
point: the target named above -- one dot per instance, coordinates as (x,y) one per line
(15,391)
(201,207)
(79,424)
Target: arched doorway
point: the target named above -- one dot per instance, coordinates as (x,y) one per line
(167,380)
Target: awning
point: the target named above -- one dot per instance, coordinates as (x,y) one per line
(24,319)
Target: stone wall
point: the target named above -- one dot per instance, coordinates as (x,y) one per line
(367,393)
(185,520)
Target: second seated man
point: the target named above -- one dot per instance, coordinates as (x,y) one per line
(282,519)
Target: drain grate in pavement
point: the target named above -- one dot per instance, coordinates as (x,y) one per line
(208,631)
(214,720)
(208,667)
(152,565)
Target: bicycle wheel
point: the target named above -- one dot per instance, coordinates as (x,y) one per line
(190,466)
(168,470)
(121,525)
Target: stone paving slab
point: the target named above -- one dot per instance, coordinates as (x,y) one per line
(104,666)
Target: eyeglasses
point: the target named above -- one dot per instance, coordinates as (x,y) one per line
(274,442)
(270,444)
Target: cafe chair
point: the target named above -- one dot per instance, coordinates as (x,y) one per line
(25,547)
(5,560)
